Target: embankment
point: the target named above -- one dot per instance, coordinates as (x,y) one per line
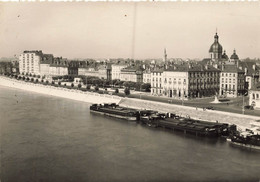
(73,94)
(243,121)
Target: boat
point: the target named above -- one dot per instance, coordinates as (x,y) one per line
(250,138)
(114,110)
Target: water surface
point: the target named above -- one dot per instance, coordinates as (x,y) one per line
(45,138)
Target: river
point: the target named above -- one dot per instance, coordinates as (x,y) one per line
(45,138)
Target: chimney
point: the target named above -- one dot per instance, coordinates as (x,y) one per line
(222,67)
(245,71)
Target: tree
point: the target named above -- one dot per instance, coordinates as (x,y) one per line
(146,87)
(22,73)
(23,77)
(72,85)
(32,79)
(88,87)
(79,85)
(47,81)
(42,81)
(37,80)
(59,83)
(27,79)
(26,74)
(52,82)
(38,76)
(96,88)
(116,91)
(30,74)
(127,91)
(34,75)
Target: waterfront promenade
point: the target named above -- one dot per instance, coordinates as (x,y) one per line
(243,121)
(89,97)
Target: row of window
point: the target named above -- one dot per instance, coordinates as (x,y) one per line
(255,96)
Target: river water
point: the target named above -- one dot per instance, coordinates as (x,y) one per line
(45,138)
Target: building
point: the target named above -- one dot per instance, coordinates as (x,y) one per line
(251,73)
(156,82)
(47,59)
(254,96)
(116,70)
(132,74)
(58,67)
(190,80)
(232,81)
(147,76)
(29,62)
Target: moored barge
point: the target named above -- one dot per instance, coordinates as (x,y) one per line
(114,110)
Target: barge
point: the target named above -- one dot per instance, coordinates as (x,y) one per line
(247,139)
(115,111)
(187,125)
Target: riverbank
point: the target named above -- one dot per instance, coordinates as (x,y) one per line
(243,121)
(89,97)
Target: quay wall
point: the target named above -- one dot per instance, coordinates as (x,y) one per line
(89,97)
(242,121)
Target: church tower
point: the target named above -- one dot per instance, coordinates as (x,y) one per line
(165,56)
(216,49)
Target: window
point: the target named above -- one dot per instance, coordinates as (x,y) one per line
(253,96)
(257,96)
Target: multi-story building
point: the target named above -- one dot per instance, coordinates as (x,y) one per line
(251,73)
(147,76)
(157,81)
(47,59)
(132,74)
(29,62)
(232,81)
(254,96)
(58,67)
(116,70)
(195,80)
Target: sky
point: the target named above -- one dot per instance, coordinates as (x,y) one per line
(129,30)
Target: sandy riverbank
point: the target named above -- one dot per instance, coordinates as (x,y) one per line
(78,95)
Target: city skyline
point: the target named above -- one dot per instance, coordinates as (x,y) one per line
(129,30)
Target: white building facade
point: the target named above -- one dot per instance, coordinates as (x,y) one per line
(29,62)
(116,70)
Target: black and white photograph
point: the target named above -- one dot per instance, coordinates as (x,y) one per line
(129,91)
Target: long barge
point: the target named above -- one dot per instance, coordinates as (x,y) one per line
(168,120)
(114,110)
(187,125)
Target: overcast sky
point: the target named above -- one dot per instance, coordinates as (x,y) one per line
(129,30)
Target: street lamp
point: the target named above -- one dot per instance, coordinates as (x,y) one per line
(243,107)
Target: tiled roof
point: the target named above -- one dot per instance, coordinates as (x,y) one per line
(231,69)
(256,87)
(192,68)
(250,70)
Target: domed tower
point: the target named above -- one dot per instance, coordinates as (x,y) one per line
(215,50)
(225,56)
(234,57)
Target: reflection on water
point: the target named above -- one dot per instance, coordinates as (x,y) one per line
(46,138)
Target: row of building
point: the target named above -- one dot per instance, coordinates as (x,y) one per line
(217,74)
